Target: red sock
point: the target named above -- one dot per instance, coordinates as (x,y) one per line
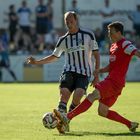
(85,105)
(112,115)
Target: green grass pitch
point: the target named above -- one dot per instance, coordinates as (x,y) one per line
(23,105)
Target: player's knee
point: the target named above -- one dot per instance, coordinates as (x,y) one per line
(78,94)
(102,112)
(64,90)
(95,95)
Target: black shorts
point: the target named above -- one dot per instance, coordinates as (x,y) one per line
(25,29)
(72,81)
(41,28)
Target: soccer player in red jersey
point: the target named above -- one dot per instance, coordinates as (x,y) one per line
(108,90)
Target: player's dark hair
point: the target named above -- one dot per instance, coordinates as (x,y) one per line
(118,26)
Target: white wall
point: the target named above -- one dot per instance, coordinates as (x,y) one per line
(51,72)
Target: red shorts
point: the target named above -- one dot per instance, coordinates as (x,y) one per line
(109,91)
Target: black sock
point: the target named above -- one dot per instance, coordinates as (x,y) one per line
(72,106)
(62,107)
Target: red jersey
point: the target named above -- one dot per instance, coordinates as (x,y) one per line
(121,53)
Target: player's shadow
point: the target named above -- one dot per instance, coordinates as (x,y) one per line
(87,133)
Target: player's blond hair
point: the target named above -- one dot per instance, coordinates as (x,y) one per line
(70,13)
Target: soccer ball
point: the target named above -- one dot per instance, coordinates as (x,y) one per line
(49,121)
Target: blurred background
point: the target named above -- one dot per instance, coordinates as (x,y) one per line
(21,33)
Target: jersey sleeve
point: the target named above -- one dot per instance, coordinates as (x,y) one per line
(130,49)
(93,43)
(59,49)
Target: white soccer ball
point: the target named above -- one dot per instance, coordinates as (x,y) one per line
(49,121)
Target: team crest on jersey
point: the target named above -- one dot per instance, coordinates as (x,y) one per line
(76,48)
(114,48)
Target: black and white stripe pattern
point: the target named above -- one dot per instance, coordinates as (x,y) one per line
(78,49)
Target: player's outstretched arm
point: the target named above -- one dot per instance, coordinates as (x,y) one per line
(45,60)
(102,70)
(105,69)
(96,72)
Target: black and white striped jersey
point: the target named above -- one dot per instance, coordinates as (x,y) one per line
(78,49)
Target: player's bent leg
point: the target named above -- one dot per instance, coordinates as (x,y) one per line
(84,105)
(104,111)
(62,107)
(112,115)
(77,95)
(64,94)
(64,97)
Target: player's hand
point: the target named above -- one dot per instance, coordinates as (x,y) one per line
(31,60)
(94,81)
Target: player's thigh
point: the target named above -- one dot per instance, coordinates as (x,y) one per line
(81,82)
(108,89)
(109,101)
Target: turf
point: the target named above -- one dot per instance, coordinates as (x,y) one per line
(23,105)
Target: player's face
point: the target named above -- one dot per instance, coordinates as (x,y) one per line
(70,22)
(113,34)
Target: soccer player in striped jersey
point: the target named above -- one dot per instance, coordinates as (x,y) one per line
(108,90)
(79,45)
